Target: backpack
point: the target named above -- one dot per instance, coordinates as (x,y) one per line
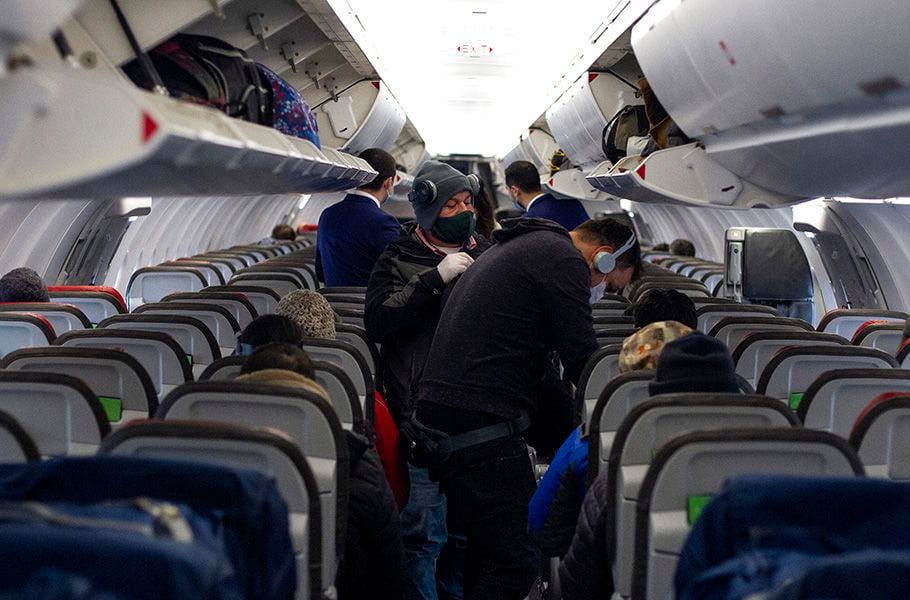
(291,115)
(630,121)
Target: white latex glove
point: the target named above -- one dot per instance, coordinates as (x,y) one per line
(454,265)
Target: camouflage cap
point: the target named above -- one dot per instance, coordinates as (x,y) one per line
(642,349)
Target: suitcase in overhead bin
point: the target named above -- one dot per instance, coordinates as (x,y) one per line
(239,509)
(133,548)
(291,114)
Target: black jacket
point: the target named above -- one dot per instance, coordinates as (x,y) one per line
(525,297)
(402,310)
(373,562)
(584,573)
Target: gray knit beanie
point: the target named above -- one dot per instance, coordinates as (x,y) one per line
(448,181)
(311,311)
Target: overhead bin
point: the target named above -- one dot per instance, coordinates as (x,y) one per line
(365,116)
(536,146)
(581,114)
(802,99)
(403,184)
(571,183)
(108,138)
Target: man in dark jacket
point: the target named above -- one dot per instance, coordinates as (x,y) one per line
(354,232)
(523,182)
(527,296)
(402,309)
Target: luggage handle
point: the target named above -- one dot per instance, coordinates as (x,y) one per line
(144,62)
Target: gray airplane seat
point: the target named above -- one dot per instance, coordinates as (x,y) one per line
(790,372)
(886,337)
(683,285)
(351,316)
(218,319)
(280,284)
(212,273)
(358,291)
(199,344)
(224,266)
(357,337)
(835,400)
(62,317)
(305,417)
(690,469)
(303,278)
(599,370)
(339,386)
(237,304)
(768,266)
(609,308)
(267,451)
(756,350)
(259,253)
(346,302)
(710,315)
(614,322)
(162,358)
(613,334)
(881,436)
(237,260)
(264,300)
(608,297)
(97,302)
(603,415)
(639,438)
(59,412)
(16,445)
(699,302)
(732,330)
(119,381)
(346,357)
(151,284)
(24,331)
(845,321)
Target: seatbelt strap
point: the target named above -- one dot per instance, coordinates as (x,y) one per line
(486,434)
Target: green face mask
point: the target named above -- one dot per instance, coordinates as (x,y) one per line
(455,230)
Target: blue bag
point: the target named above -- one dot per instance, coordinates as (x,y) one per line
(763,532)
(291,115)
(252,516)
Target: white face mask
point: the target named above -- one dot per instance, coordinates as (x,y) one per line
(597,292)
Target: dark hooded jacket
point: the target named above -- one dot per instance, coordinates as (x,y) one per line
(402,309)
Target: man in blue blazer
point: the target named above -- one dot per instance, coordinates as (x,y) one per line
(523,182)
(354,232)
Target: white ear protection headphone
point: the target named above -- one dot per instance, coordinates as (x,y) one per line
(605,261)
(424,191)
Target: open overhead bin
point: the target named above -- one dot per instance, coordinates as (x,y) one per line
(798,98)
(365,116)
(105,137)
(571,183)
(536,146)
(579,118)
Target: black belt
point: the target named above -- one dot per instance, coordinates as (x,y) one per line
(489,433)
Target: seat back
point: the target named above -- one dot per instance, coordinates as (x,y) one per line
(352,290)
(600,369)
(688,287)
(693,467)
(218,319)
(756,350)
(237,304)
(59,412)
(197,341)
(732,330)
(121,384)
(211,272)
(97,302)
(62,317)
(351,361)
(304,274)
(886,337)
(710,315)
(225,266)
(238,260)
(162,358)
(881,436)
(621,394)
(16,445)
(24,331)
(650,426)
(836,398)
(268,452)
(609,308)
(264,300)
(613,335)
(351,316)
(280,284)
(845,321)
(357,337)
(224,369)
(151,284)
(309,421)
(789,373)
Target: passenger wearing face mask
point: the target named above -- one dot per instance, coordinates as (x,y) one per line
(523,182)
(403,304)
(525,297)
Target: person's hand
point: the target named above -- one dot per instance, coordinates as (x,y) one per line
(454,265)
